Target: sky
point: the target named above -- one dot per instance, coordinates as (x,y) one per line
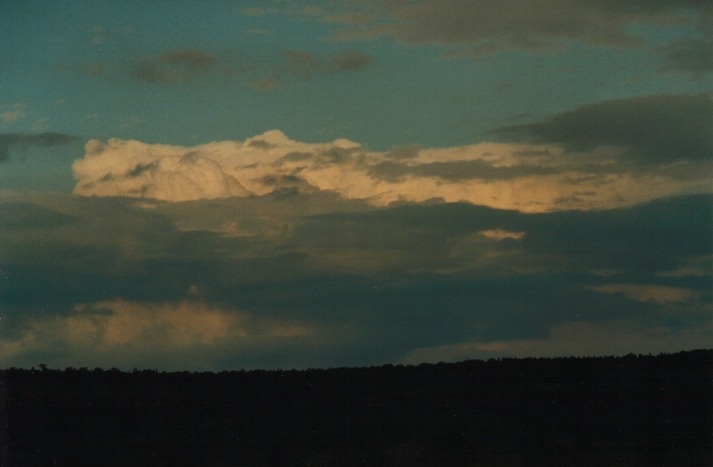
(214,185)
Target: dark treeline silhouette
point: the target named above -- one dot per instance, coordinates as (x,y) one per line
(632,410)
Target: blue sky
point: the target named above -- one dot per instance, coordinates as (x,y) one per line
(308,183)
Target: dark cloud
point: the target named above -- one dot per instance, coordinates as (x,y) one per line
(645,7)
(190,58)
(404,152)
(138,170)
(301,64)
(484,27)
(295,157)
(260,144)
(304,63)
(175,66)
(373,285)
(455,171)
(287,184)
(23,215)
(693,56)
(23,140)
(654,129)
(352,61)
(642,239)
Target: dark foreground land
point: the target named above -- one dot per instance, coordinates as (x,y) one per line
(633,410)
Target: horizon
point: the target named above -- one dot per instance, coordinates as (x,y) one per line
(313,184)
(45,368)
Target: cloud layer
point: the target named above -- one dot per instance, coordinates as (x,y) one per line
(300,279)
(653,128)
(485,27)
(609,154)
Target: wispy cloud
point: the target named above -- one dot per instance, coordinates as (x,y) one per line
(14,113)
(501,234)
(175,66)
(693,55)
(352,60)
(649,292)
(485,27)
(301,64)
(123,333)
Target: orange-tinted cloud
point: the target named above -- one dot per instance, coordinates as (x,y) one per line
(648,292)
(123,332)
(525,177)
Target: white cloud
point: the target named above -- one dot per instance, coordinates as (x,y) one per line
(529,178)
(135,169)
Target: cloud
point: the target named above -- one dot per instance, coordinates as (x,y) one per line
(309,278)
(654,129)
(459,170)
(352,61)
(132,168)
(24,215)
(500,234)
(648,292)
(530,177)
(175,66)
(123,333)
(14,113)
(698,266)
(9,141)
(692,55)
(460,237)
(485,27)
(300,64)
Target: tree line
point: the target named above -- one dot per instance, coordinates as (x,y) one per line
(631,410)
